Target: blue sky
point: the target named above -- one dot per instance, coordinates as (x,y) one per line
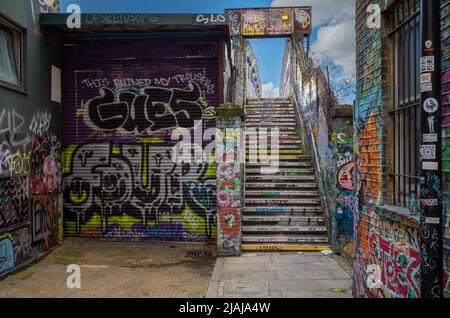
(326,20)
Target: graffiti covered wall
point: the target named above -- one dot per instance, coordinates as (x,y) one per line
(30,154)
(342,145)
(386,238)
(123,102)
(369,160)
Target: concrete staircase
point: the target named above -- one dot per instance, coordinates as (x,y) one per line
(282,206)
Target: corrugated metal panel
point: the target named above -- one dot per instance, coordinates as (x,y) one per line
(122,101)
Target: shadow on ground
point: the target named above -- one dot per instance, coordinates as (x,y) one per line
(117,269)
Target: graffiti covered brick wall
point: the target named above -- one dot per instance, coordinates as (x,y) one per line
(386,245)
(370,148)
(30,184)
(30,152)
(123,102)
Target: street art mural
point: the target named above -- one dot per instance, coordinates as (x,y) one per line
(280,21)
(387,249)
(122,176)
(393,251)
(345,197)
(137,191)
(269,22)
(254,22)
(229,188)
(368,149)
(302,20)
(30,178)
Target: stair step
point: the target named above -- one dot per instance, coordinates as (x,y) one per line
(284,247)
(281,146)
(274,151)
(280,186)
(282,127)
(270,111)
(269,102)
(279,210)
(279,121)
(272,116)
(282,229)
(268,178)
(273,171)
(285,239)
(272,202)
(283,218)
(271,158)
(286,164)
(266,106)
(285,194)
(278,171)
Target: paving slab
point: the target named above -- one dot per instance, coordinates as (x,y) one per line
(281,275)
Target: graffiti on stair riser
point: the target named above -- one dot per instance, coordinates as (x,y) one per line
(137,191)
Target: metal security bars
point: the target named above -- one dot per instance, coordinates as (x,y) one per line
(406,49)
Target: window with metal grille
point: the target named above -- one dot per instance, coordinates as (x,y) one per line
(406,48)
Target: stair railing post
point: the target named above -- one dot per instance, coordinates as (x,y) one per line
(230,159)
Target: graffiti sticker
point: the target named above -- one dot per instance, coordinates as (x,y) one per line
(428,152)
(430,105)
(432,166)
(430,138)
(427,64)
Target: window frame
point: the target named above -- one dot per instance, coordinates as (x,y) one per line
(19,43)
(405,102)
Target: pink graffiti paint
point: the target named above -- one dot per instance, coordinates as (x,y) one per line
(397,276)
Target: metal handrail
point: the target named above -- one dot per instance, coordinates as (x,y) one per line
(308,130)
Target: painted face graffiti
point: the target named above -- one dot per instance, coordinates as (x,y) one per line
(345,176)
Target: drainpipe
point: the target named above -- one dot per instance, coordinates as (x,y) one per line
(431,228)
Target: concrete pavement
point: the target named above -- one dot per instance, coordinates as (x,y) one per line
(281,275)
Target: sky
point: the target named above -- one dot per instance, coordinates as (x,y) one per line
(333,29)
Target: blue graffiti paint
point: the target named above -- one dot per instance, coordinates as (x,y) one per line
(6,255)
(269,210)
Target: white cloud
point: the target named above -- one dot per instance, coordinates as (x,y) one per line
(337,42)
(323,11)
(270,91)
(335,25)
